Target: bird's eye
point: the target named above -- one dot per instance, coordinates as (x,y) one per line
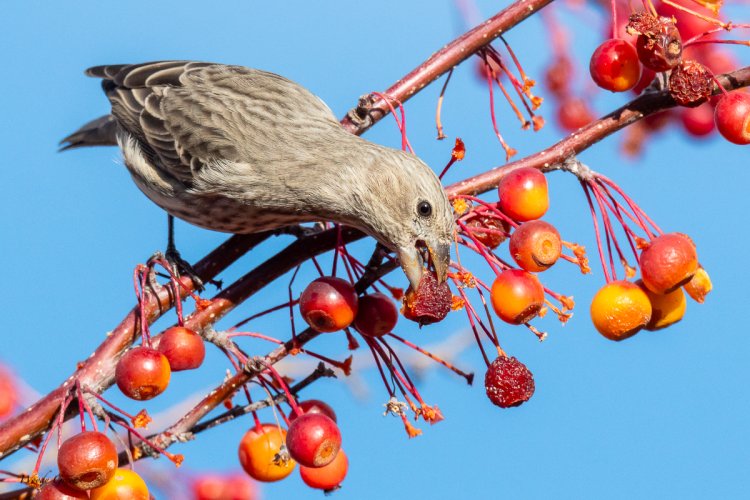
(424,208)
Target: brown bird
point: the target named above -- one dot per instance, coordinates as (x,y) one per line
(241,150)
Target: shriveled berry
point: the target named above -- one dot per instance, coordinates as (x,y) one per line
(523,194)
(376,316)
(183,347)
(313,440)
(620,309)
(142,373)
(614,65)
(690,84)
(669,261)
(517,296)
(329,477)
(314,406)
(733,117)
(659,43)
(699,286)
(328,304)
(124,485)
(87,460)
(535,245)
(490,231)
(261,456)
(508,382)
(58,490)
(666,308)
(430,302)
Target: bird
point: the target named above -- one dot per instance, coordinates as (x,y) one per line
(240,150)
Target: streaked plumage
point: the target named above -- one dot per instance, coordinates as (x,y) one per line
(241,150)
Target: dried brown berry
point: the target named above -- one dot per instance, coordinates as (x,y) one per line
(659,43)
(490,231)
(508,382)
(430,302)
(690,84)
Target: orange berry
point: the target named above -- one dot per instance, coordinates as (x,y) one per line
(327,477)
(523,194)
(620,309)
(669,261)
(258,450)
(517,296)
(666,309)
(142,373)
(699,286)
(124,485)
(535,245)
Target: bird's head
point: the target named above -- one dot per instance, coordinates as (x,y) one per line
(416,219)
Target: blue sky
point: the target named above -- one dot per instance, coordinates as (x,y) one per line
(662,415)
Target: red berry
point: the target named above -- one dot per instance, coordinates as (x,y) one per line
(523,194)
(58,490)
(235,486)
(573,113)
(659,43)
(313,440)
(183,348)
(314,406)
(558,76)
(328,477)
(614,66)
(490,231)
(376,316)
(328,304)
(430,302)
(8,393)
(535,245)
(259,454)
(142,373)
(669,261)
(508,382)
(517,296)
(733,117)
(87,460)
(698,121)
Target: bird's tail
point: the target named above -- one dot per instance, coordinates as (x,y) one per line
(99,132)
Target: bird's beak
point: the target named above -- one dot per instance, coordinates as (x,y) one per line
(413,265)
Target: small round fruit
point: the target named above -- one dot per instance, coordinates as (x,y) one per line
(517,296)
(328,304)
(142,373)
(573,113)
(183,347)
(535,245)
(314,406)
(620,309)
(732,117)
(508,382)
(669,261)
(313,440)
(699,286)
(523,194)
(87,460)
(661,49)
(698,121)
(430,302)
(124,485)
(490,231)
(666,309)
(234,486)
(58,490)
(615,66)
(8,393)
(691,84)
(376,315)
(328,477)
(259,450)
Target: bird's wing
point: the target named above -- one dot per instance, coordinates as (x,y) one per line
(187,114)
